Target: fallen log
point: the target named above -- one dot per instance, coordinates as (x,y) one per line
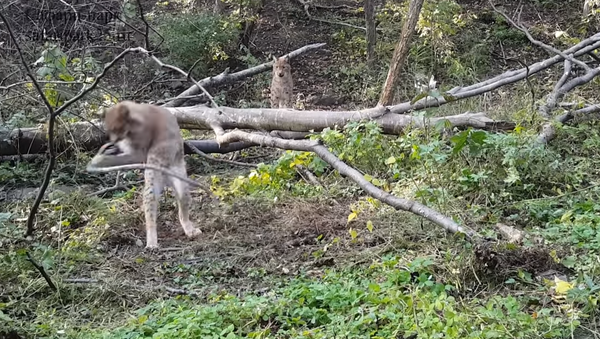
(270,119)
(282,123)
(30,141)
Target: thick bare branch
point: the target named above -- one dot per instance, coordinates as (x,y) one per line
(558,93)
(270,119)
(548,131)
(583,47)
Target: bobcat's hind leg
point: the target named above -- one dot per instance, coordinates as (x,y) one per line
(184,200)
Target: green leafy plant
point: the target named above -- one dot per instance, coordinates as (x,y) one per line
(382,301)
(273,179)
(200,39)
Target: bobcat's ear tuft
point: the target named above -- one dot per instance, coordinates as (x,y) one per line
(274,58)
(287,58)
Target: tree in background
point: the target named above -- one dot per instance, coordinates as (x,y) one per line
(400,52)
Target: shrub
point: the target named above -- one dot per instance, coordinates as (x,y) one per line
(191,37)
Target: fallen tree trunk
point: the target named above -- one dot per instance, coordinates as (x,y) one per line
(33,140)
(286,124)
(268,119)
(30,141)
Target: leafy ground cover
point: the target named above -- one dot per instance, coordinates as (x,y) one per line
(281,258)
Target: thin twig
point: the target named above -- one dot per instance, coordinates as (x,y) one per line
(306,5)
(116,187)
(594,56)
(537,42)
(81,281)
(118,17)
(108,190)
(189,76)
(307,175)
(41,82)
(19,157)
(147,32)
(41,270)
(91,168)
(180,291)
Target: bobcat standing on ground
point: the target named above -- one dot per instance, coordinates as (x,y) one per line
(149,134)
(282,84)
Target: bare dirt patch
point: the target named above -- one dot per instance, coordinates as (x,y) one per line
(239,240)
(503,261)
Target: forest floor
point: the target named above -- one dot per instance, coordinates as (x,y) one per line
(251,245)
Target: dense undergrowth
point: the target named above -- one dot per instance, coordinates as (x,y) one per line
(397,276)
(380,301)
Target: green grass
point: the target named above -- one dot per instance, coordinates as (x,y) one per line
(385,300)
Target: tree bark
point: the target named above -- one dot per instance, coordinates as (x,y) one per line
(270,119)
(400,52)
(280,124)
(371,32)
(20,144)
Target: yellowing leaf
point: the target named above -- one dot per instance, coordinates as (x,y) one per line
(558,34)
(353,233)
(565,217)
(390,160)
(142,319)
(562,287)
(352,216)
(519,129)
(370,226)
(387,187)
